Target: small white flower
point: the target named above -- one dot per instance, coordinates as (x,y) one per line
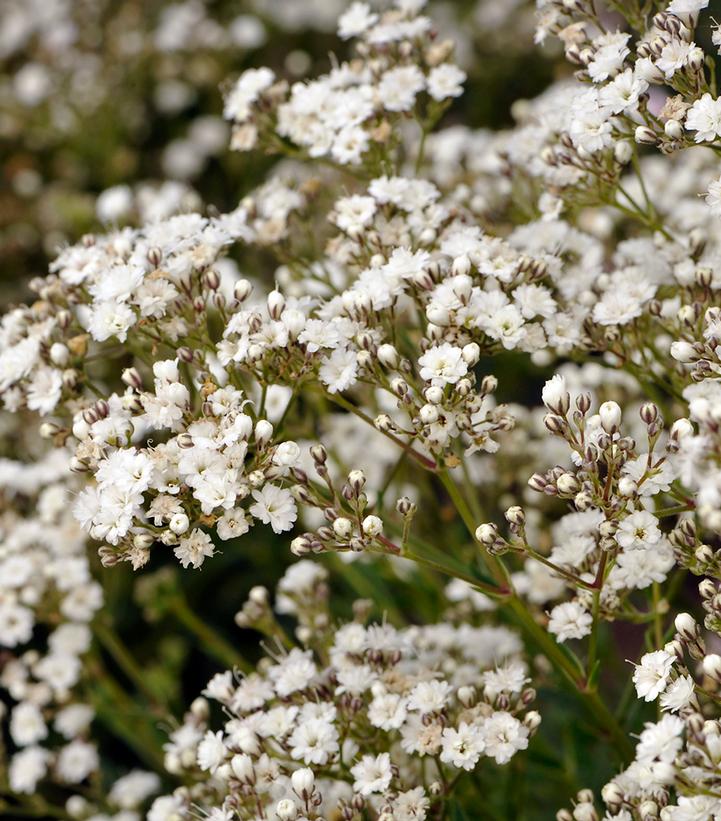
(570,620)
(372,774)
(651,675)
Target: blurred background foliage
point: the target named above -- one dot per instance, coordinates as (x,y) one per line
(96,93)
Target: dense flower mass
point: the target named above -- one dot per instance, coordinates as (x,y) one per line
(452,392)
(354,719)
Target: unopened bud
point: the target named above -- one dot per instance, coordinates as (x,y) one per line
(712,667)
(487,533)
(242,289)
(644,136)
(610,413)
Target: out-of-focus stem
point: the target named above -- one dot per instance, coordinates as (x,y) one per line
(216,645)
(109,639)
(565,664)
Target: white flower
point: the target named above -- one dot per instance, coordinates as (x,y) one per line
(674,56)
(27,768)
(507,679)
(27,725)
(194,549)
(314,741)
(77,761)
(211,751)
(623,92)
(638,530)
(372,774)
(411,805)
(443,365)
(294,672)
(387,711)
(570,620)
(462,747)
(250,85)
(651,675)
(130,790)
(713,197)
(354,212)
(504,735)
(355,20)
(704,117)
(399,86)
(446,81)
(429,696)
(661,740)
(232,523)
(339,371)
(678,694)
(274,506)
(44,390)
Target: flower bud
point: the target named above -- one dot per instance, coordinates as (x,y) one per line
(286,810)
(342,527)
(612,795)
(585,811)
(487,533)
(648,413)
(179,523)
(263,432)
(242,767)
(515,516)
(59,354)
(211,280)
(143,540)
(623,152)
(673,129)
(627,487)
(303,781)
(681,428)
(471,353)
(712,667)
(434,395)
(372,526)
(532,720)
(428,414)
(300,546)
(610,414)
(242,289)
(258,595)
(357,480)
(276,304)
(644,136)
(388,356)
(568,484)
(467,696)
(683,351)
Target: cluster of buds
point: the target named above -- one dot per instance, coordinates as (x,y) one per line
(349,525)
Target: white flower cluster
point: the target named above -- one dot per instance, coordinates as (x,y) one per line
(198,476)
(128,286)
(612,543)
(675,774)
(350,717)
(348,114)
(47,599)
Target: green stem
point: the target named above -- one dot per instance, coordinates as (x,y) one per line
(571,669)
(109,639)
(427,463)
(494,565)
(126,719)
(216,645)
